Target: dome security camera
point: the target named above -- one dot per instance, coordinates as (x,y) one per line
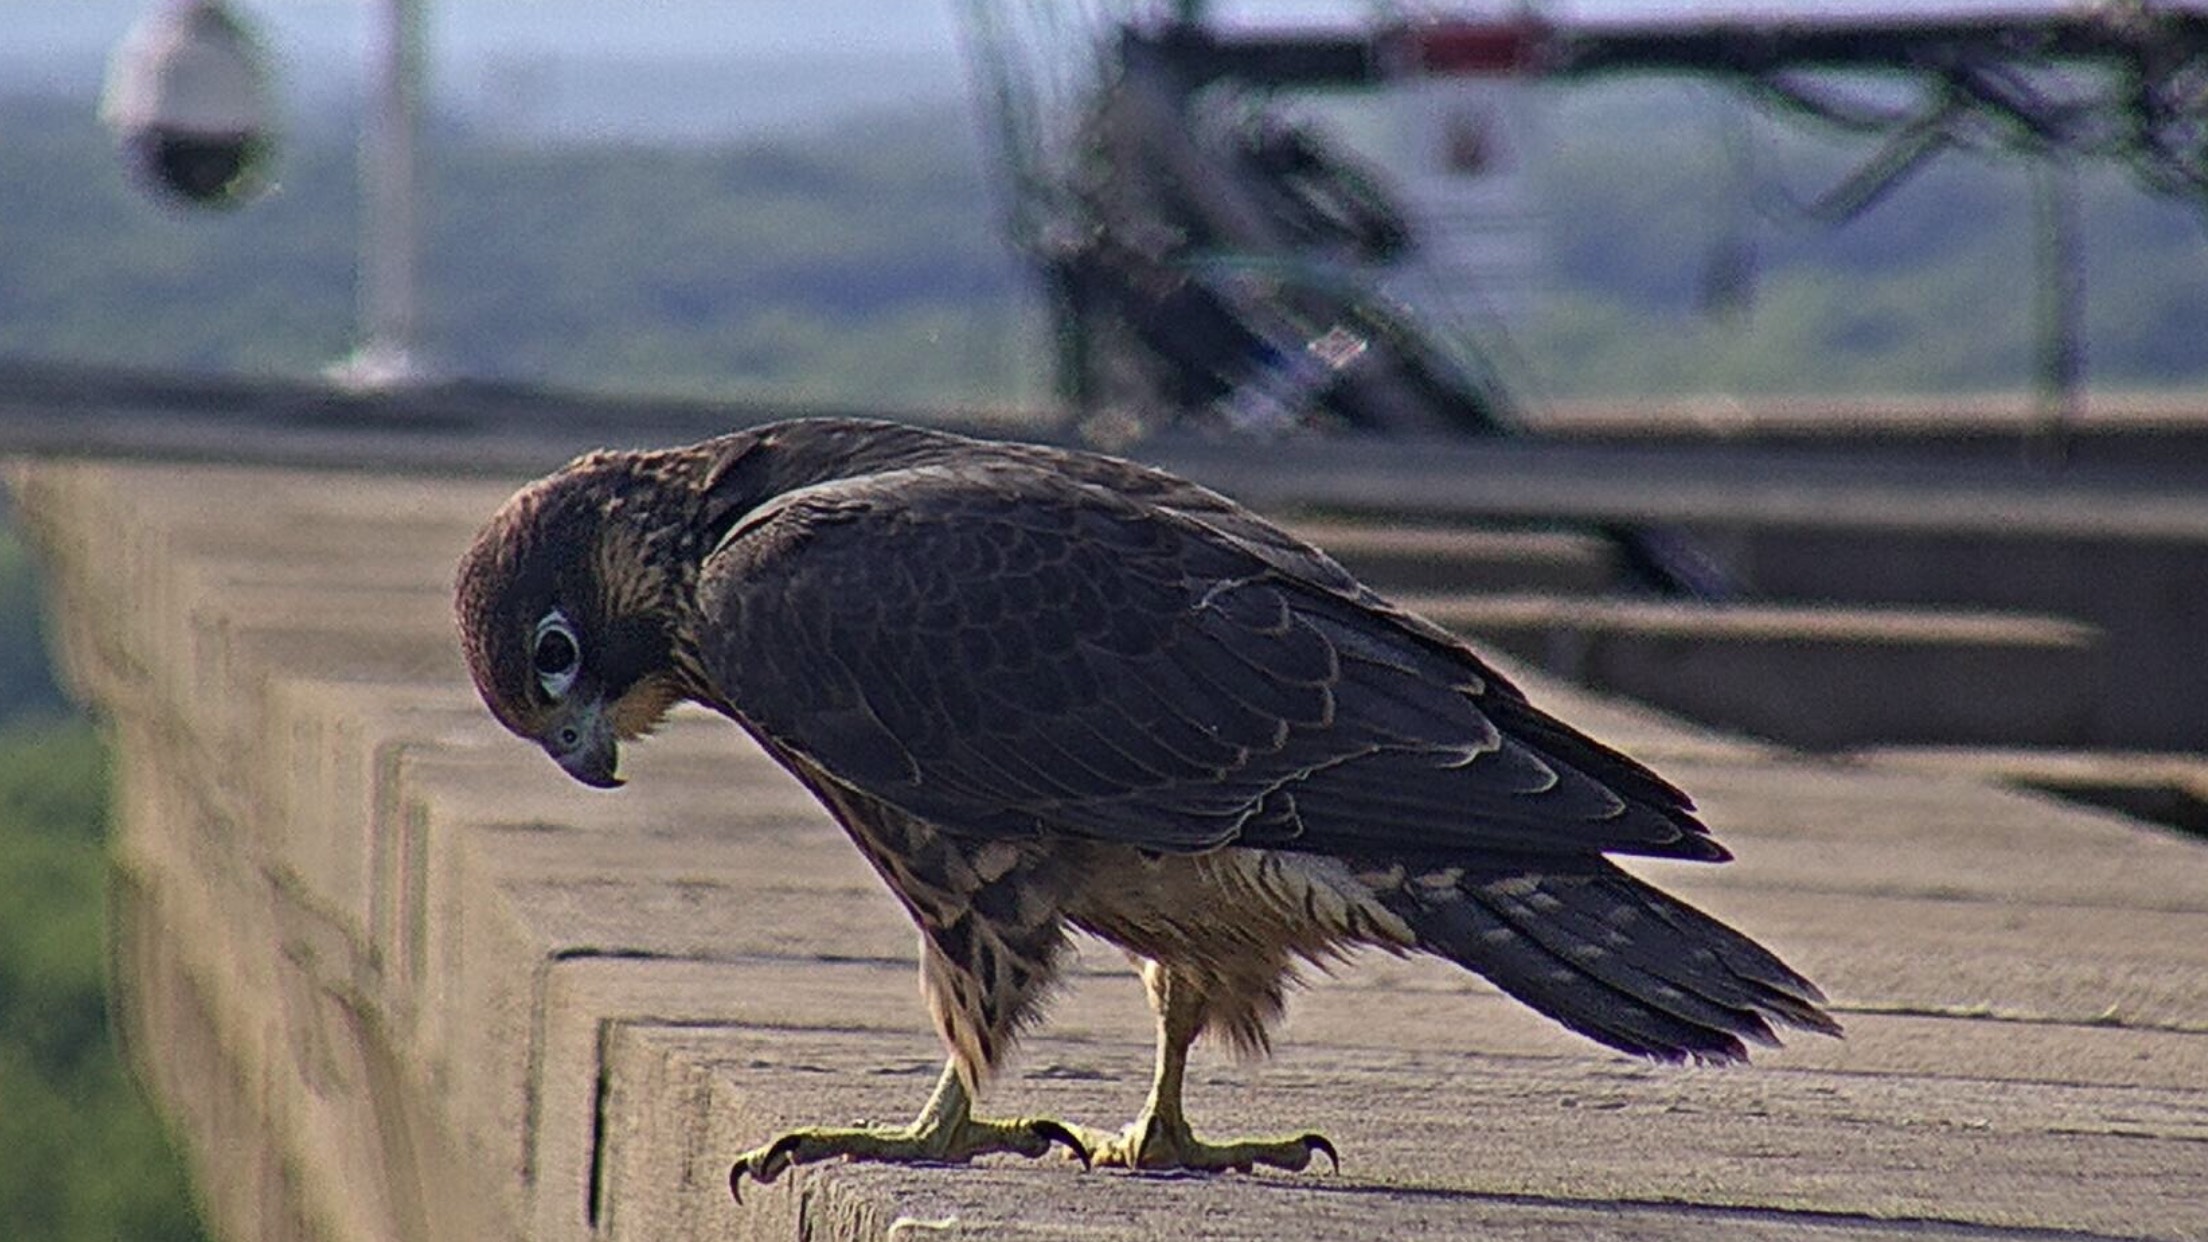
(187,97)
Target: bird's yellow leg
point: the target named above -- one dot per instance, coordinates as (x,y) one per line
(1160,1137)
(945,1132)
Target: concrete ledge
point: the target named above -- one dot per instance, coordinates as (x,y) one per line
(397,978)
(1396,557)
(2165,788)
(1817,676)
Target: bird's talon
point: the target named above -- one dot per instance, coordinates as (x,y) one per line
(764,1165)
(736,1173)
(1054,1132)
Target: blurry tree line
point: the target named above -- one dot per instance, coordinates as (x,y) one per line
(864,263)
(867,266)
(1655,190)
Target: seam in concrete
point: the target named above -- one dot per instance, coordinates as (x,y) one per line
(532,1081)
(601,1087)
(407,879)
(1990,1013)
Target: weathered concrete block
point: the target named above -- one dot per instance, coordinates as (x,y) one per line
(1811,676)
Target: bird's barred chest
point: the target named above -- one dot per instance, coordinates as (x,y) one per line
(994,916)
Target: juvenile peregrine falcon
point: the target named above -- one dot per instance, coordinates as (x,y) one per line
(1045,690)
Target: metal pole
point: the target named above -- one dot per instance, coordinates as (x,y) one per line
(390,353)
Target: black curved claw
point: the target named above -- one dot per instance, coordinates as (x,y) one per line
(763,1169)
(1054,1132)
(1317,1142)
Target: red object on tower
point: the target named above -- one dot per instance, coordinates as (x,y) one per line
(1511,46)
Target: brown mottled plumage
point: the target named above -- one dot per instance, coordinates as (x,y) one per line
(1046,690)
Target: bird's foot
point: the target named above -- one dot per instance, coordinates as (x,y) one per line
(954,1141)
(1160,1144)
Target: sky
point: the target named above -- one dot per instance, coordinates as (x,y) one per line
(69,30)
(567,67)
(758,63)
(66,27)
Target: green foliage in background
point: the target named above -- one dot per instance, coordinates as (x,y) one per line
(1932,289)
(85,1160)
(864,263)
(863,267)
(27,689)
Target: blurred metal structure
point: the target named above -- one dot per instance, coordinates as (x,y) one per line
(1209,257)
(391,351)
(1206,256)
(188,95)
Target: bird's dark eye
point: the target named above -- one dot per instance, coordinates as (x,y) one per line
(557,654)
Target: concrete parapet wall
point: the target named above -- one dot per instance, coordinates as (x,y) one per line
(257,917)
(395,977)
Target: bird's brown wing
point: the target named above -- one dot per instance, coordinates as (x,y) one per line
(1003,650)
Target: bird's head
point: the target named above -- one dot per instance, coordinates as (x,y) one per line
(569,604)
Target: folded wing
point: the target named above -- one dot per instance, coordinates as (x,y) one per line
(1006,651)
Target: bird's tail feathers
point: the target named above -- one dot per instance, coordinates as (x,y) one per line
(1611,958)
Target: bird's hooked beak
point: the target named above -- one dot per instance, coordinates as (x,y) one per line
(581,740)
